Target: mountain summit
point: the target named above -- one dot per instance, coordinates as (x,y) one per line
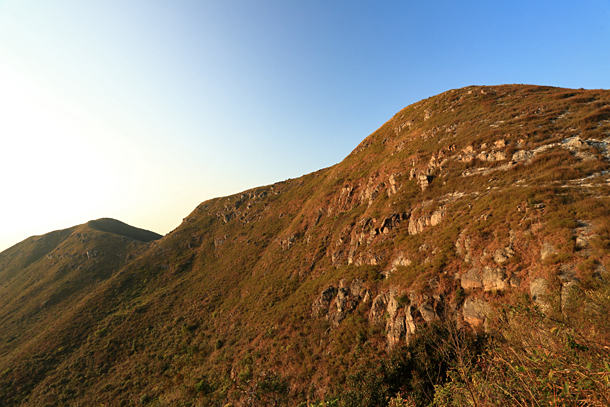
(390,276)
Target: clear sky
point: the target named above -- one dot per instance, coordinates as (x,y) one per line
(141,109)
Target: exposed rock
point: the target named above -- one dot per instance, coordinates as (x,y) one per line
(539,289)
(399,261)
(494,279)
(584,232)
(289,241)
(601,273)
(321,305)
(471,279)
(410,320)
(569,290)
(378,308)
(427,312)
(412,174)
(500,257)
(463,247)
(423,181)
(419,224)
(391,222)
(574,143)
(491,156)
(396,329)
(337,303)
(569,285)
(393,188)
(345,303)
(437,216)
(500,143)
(522,155)
(547,250)
(476,313)
(356,288)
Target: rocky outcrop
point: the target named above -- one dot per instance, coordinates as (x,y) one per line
(321,305)
(400,261)
(546,251)
(583,234)
(471,280)
(522,155)
(419,224)
(463,247)
(569,287)
(337,303)
(488,279)
(494,279)
(401,314)
(476,313)
(491,156)
(539,288)
(502,256)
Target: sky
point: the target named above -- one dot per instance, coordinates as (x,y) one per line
(140,110)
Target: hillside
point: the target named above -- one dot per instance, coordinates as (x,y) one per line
(44,277)
(465,216)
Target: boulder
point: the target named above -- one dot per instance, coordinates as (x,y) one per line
(547,250)
(471,279)
(494,279)
(538,290)
(476,312)
(522,155)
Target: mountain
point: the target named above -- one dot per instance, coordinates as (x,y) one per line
(44,277)
(470,225)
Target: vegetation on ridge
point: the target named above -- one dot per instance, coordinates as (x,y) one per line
(458,256)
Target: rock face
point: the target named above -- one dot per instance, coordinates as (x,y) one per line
(476,313)
(321,306)
(471,280)
(336,303)
(402,313)
(488,279)
(419,224)
(494,279)
(539,288)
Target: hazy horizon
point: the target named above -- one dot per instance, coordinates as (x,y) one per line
(141,111)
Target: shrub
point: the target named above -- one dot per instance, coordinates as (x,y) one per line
(415,369)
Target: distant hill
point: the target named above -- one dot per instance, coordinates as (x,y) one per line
(459,255)
(123,229)
(43,277)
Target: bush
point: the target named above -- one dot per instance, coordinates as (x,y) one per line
(416,369)
(537,360)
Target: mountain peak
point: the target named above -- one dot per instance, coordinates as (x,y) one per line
(117,227)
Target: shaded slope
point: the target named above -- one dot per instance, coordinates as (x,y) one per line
(119,228)
(441,213)
(44,276)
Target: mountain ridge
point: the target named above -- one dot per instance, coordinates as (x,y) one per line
(457,204)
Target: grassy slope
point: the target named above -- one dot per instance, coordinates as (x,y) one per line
(226,298)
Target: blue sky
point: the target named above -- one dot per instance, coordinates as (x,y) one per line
(140,110)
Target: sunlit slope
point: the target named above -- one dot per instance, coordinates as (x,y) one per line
(463,201)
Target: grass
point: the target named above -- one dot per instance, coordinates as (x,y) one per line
(221,307)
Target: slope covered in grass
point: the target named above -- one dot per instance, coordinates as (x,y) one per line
(458,207)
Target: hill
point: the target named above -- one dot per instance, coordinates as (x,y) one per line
(43,277)
(469,224)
